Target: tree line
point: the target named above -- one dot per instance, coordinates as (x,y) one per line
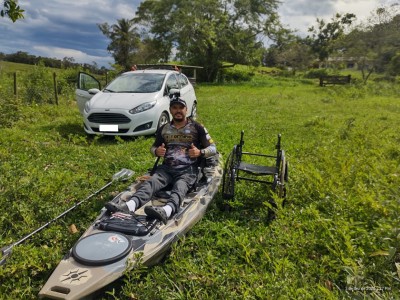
(215,34)
(65,63)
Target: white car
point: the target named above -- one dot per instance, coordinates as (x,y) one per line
(135,103)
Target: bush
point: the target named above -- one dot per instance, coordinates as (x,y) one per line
(38,85)
(67,81)
(9,109)
(234,75)
(316,73)
(9,105)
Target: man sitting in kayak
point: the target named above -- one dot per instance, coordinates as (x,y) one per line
(181,142)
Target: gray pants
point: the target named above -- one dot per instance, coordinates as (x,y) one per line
(181,180)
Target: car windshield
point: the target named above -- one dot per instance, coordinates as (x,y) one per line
(136,83)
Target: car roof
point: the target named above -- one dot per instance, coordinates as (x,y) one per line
(152,71)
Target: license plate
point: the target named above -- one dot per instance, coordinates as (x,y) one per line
(108,128)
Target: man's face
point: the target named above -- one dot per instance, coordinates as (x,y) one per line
(178,112)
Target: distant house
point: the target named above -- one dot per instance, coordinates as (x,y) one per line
(346,62)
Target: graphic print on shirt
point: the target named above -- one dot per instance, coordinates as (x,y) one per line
(178,143)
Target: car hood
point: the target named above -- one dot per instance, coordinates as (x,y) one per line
(120,100)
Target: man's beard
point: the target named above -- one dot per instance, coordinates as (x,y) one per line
(178,117)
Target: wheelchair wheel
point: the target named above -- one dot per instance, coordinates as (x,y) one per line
(282,176)
(228,183)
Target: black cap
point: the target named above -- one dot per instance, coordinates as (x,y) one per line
(177,100)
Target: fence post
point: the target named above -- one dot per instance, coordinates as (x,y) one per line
(15,85)
(55,87)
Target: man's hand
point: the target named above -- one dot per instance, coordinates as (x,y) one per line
(194,151)
(160,151)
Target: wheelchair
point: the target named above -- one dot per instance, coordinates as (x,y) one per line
(236,169)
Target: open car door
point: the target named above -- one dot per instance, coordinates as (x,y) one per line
(87,87)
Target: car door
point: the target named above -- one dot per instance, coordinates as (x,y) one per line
(87,87)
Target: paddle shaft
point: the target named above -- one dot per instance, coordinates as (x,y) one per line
(56,218)
(7,249)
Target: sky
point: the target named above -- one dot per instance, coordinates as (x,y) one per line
(65,28)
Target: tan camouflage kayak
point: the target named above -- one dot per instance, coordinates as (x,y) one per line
(116,243)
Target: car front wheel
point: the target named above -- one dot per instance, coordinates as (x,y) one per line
(164,119)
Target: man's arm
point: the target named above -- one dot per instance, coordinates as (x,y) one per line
(208,146)
(158,141)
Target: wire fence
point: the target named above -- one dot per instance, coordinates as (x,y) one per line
(36,86)
(40,85)
(38,89)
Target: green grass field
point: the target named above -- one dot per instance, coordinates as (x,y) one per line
(338,237)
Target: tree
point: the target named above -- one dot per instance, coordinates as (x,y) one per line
(151,51)
(12,10)
(394,66)
(289,51)
(374,45)
(124,41)
(68,62)
(323,38)
(296,56)
(384,29)
(210,32)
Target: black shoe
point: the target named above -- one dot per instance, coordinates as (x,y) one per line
(114,207)
(157,213)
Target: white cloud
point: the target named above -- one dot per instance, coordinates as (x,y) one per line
(79,56)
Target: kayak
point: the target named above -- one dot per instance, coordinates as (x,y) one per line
(116,243)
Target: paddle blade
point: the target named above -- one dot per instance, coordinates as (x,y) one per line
(5,253)
(124,174)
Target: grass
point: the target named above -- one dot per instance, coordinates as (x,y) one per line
(337,237)
(6,66)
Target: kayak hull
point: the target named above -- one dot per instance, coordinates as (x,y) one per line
(100,257)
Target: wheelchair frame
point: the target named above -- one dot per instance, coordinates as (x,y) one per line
(276,176)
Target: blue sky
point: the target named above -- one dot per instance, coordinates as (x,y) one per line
(65,28)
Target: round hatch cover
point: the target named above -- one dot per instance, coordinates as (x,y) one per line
(101,248)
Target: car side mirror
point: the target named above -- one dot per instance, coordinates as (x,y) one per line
(93,91)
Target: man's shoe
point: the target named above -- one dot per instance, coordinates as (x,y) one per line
(114,207)
(157,213)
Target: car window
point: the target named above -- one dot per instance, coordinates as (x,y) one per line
(172,82)
(87,82)
(136,83)
(183,80)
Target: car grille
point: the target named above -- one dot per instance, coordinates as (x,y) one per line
(108,118)
(119,130)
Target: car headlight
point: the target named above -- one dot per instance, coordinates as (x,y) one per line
(87,106)
(143,107)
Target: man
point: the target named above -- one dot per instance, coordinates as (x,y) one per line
(181,143)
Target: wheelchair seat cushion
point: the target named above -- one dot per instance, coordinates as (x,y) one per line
(257,169)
